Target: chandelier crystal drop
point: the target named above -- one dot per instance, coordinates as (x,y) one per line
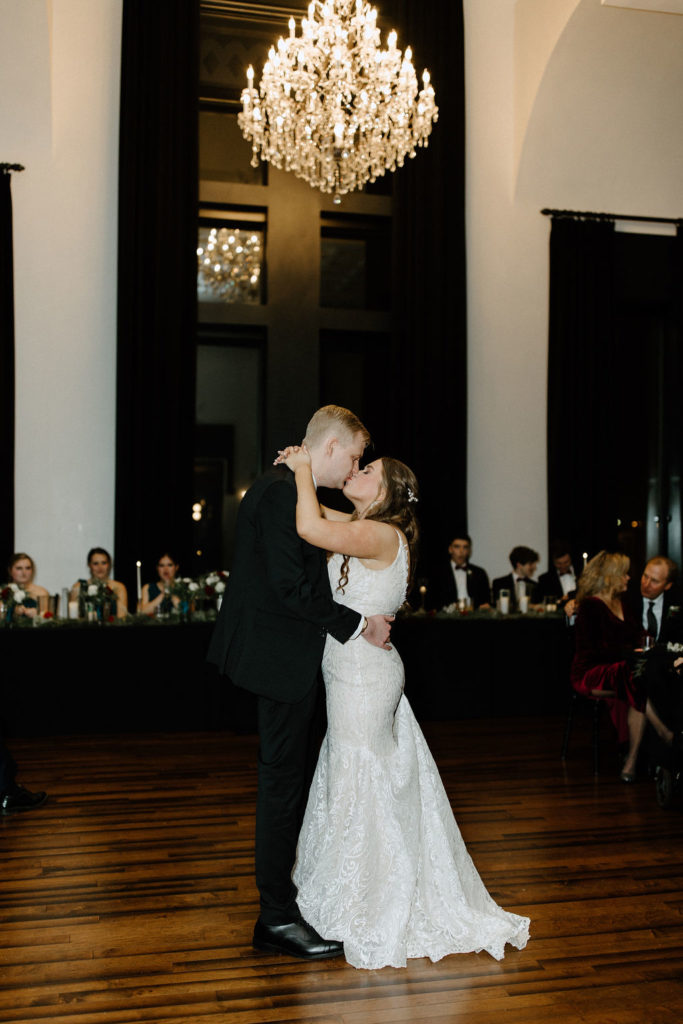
(229,265)
(332,106)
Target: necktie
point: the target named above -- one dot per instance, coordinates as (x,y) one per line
(651,620)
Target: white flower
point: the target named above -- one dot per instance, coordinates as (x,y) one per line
(92,589)
(193,585)
(19,595)
(212,578)
(220,587)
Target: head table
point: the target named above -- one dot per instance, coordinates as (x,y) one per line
(143,675)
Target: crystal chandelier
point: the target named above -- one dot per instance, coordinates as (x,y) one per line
(332,106)
(229,265)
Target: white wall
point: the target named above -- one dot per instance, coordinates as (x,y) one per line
(59,104)
(506,306)
(569,109)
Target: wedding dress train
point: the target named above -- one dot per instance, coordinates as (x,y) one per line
(381,864)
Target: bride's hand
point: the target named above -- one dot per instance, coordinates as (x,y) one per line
(295,456)
(283,453)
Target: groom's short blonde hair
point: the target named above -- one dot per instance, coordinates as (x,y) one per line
(334,419)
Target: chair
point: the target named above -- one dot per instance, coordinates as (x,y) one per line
(597,698)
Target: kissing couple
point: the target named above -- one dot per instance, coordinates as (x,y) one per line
(369,863)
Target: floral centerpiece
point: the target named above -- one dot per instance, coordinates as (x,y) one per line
(213,583)
(184,588)
(97,596)
(11,596)
(200,596)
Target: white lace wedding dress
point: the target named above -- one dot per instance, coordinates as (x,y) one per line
(381,864)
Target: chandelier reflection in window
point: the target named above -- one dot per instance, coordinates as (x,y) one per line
(332,106)
(229,265)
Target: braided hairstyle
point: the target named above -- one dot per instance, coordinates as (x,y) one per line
(397,507)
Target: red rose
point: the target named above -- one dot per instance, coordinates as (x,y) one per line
(48,615)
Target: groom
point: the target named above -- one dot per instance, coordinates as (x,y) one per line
(269,638)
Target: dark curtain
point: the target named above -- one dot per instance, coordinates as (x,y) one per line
(6,373)
(586,428)
(428,375)
(675,519)
(158,189)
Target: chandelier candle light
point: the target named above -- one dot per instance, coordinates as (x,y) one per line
(332,106)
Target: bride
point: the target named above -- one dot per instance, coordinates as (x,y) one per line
(381,864)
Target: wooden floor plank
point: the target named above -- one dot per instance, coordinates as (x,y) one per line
(129,897)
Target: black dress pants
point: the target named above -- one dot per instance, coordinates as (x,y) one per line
(284,776)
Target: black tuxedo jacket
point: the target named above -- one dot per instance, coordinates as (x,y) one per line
(549,585)
(277,607)
(444,590)
(508,583)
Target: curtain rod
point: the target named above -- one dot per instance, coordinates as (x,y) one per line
(610,216)
(6,168)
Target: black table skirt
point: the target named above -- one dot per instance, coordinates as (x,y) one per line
(485,667)
(155,678)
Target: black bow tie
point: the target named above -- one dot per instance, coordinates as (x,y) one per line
(461,568)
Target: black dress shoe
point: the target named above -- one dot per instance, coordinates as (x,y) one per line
(19,799)
(295,939)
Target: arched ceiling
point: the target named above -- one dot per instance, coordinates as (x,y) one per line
(599,114)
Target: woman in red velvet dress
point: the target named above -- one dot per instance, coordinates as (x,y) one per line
(606,636)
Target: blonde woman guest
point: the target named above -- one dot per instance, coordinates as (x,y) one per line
(156,597)
(606,636)
(22,570)
(99,565)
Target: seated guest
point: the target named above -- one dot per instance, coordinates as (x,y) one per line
(524,562)
(655,611)
(459,578)
(99,564)
(560,580)
(156,597)
(656,597)
(22,570)
(606,636)
(13,797)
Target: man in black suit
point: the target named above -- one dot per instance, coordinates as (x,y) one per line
(657,596)
(269,638)
(654,608)
(524,562)
(560,580)
(460,579)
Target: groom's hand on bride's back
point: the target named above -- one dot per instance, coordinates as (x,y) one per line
(378,630)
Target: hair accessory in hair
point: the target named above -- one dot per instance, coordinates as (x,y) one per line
(411,496)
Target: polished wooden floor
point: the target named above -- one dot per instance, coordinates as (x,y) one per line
(129,896)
